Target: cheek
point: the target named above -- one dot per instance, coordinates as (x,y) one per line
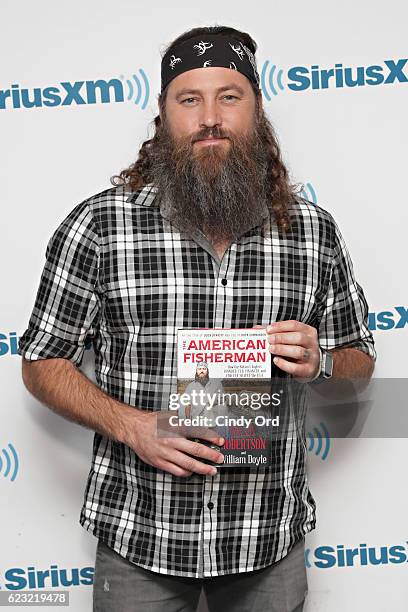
(241,124)
(180,125)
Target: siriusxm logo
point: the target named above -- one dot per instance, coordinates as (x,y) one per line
(299,78)
(308,192)
(319,441)
(325,557)
(8,344)
(68,93)
(387,319)
(18,578)
(9,462)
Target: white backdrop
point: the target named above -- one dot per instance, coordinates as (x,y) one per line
(346,144)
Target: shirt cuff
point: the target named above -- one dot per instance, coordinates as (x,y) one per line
(37,344)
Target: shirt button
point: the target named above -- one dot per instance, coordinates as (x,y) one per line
(210,505)
(224,281)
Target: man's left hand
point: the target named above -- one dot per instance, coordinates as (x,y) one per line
(297,341)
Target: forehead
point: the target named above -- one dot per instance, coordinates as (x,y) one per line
(208,80)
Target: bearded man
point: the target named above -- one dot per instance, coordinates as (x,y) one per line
(203,391)
(203,230)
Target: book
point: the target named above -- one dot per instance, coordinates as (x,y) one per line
(224,383)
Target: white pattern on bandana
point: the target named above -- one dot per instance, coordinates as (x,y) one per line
(252,60)
(238,51)
(202,47)
(174,60)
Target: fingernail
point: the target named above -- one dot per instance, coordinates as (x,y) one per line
(213,471)
(221,441)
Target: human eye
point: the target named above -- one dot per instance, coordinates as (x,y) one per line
(186,100)
(231,96)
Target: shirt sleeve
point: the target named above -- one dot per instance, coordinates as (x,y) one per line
(66,305)
(344,323)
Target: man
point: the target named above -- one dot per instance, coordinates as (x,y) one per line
(203,230)
(204,394)
(202,390)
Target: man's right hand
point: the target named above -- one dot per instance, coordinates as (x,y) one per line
(59,384)
(171,453)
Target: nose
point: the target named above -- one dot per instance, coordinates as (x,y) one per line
(210,115)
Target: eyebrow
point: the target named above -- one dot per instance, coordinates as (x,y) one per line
(187,90)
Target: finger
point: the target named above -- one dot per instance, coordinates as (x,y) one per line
(196,448)
(290,367)
(203,432)
(290,325)
(290,350)
(298,338)
(173,468)
(192,465)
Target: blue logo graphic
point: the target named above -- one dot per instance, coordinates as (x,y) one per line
(19,578)
(101,91)
(300,78)
(9,463)
(326,557)
(387,319)
(322,438)
(271,80)
(8,344)
(308,193)
(142,89)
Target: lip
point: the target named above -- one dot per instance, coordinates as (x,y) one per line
(208,141)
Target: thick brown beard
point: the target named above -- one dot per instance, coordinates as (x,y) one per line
(202,379)
(219,189)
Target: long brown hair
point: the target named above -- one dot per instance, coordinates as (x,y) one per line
(282,192)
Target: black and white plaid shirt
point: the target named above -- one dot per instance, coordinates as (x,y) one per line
(117,271)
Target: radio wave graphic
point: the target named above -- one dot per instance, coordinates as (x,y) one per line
(10,463)
(139,88)
(308,193)
(322,438)
(270,81)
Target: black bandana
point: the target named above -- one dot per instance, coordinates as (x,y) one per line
(206,51)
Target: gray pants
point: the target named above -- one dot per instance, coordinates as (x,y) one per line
(120,586)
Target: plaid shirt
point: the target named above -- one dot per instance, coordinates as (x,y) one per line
(118,272)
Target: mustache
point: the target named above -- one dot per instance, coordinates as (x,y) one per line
(210,132)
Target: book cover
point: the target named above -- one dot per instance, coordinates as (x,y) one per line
(224,383)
